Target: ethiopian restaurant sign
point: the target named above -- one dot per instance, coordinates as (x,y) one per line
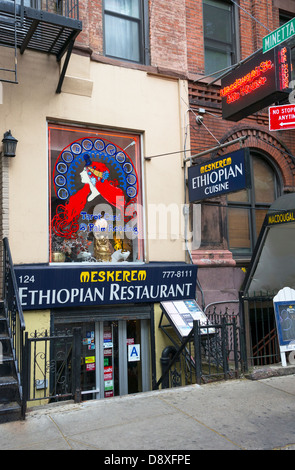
(95,185)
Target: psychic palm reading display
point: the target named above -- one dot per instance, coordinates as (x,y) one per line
(95,196)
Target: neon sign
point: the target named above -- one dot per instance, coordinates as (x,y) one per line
(284,68)
(248,83)
(256,84)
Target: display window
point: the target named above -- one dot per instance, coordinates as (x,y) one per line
(95,195)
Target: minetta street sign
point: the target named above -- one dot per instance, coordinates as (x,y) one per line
(284,32)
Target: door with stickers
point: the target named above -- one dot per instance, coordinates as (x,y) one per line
(88,361)
(115,357)
(123,358)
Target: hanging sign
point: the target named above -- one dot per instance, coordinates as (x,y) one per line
(223,175)
(256,84)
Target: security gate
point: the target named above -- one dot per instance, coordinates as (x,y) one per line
(52,366)
(261,332)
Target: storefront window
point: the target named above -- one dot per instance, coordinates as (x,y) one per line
(95,196)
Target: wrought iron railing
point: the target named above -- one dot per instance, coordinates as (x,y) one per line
(210,352)
(261,339)
(53,366)
(15,318)
(67,8)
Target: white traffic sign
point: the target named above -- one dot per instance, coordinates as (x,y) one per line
(282,117)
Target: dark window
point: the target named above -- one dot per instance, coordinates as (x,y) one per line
(219,35)
(248,207)
(125,31)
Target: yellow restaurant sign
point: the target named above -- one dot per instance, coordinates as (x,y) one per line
(282,217)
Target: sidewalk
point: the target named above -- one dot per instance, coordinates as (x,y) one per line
(230,415)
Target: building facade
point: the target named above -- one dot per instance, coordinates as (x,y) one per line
(107,100)
(93,215)
(228,34)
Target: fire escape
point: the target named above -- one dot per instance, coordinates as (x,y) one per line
(48,26)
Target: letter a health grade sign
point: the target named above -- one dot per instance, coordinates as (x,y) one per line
(223,175)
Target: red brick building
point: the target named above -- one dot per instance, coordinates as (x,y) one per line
(98,88)
(230,225)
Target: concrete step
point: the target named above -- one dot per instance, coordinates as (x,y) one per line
(10,411)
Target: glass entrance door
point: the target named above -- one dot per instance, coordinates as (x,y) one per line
(123,358)
(115,357)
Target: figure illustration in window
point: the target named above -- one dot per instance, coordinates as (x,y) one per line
(83,181)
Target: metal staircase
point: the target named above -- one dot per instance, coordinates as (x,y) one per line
(10,390)
(8,39)
(12,329)
(47,26)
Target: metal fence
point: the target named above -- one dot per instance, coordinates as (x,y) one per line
(53,366)
(261,333)
(15,319)
(211,352)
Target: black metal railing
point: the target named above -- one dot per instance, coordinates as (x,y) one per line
(210,352)
(15,318)
(66,8)
(261,339)
(53,366)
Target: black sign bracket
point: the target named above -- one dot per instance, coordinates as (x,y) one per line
(218,147)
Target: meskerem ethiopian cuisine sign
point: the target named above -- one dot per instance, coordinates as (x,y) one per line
(223,175)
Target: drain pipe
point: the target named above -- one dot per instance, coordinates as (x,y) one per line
(186,215)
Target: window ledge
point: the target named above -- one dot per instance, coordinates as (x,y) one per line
(213,258)
(149,69)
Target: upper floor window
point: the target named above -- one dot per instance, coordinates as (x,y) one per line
(247,208)
(125,30)
(219,35)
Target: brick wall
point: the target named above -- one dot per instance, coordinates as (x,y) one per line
(168,48)
(194,35)
(176,43)
(167,34)
(276,144)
